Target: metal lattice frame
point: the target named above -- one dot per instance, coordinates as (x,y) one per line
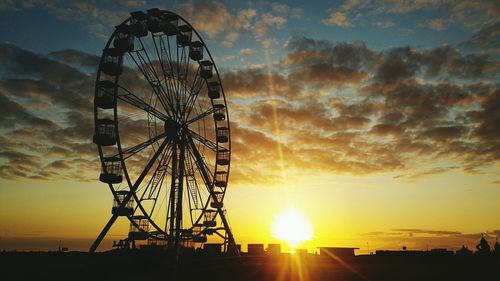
(157,88)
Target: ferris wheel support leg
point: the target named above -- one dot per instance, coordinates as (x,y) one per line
(231,244)
(178,212)
(103,233)
(127,198)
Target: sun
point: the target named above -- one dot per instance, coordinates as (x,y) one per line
(292,227)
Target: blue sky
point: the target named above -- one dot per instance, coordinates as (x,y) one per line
(45,26)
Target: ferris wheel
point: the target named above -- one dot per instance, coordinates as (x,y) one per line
(162,131)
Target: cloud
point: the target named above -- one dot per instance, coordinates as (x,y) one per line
(470,14)
(210,18)
(244,19)
(487,39)
(76,58)
(398,7)
(257,82)
(426,231)
(247,52)
(230,39)
(323,108)
(268,43)
(47,114)
(436,24)
(280,8)
(385,24)
(370,111)
(13,115)
(296,13)
(266,21)
(339,19)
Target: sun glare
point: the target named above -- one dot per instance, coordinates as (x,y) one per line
(292,227)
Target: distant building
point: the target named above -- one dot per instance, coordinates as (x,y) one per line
(337,252)
(440,252)
(413,253)
(256,249)
(274,249)
(213,249)
(404,253)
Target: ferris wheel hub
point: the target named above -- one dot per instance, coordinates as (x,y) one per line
(171,127)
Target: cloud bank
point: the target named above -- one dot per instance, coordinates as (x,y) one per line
(323,108)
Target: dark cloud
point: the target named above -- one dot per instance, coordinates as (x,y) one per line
(443,133)
(398,64)
(20,63)
(77,58)
(426,231)
(487,38)
(324,107)
(432,105)
(322,64)
(306,51)
(258,82)
(13,114)
(46,113)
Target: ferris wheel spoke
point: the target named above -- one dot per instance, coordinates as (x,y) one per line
(173,84)
(192,184)
(148,166)
(154,85)
(182,75)
(156,180)
(198,83)
(202,115)
(198,194)
(129,195)
(147,70)
(208,143)
(200,163)
(195,201)
(133,100)
(163,58)
(126,153)
(208,183)
(153,189)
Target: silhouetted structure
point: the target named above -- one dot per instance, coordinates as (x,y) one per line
(183,92)
(497,248)
(483,248)
(213,249)
(273,249)
(337,252)
(464,252)
(255,249)
(209,264)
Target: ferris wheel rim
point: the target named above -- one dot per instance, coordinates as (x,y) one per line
(113,189)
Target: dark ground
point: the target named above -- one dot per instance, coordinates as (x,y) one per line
(154,266)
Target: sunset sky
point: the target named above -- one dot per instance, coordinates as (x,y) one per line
(378,120)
